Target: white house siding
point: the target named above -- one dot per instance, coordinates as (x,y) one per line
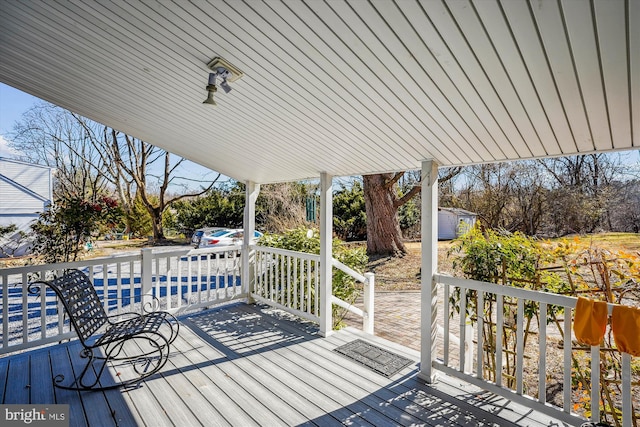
(25,192)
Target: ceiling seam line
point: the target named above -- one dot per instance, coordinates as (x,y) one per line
(437,124)
(553,78)
(530,76)
(459,92)
(356,55)
(513,86)
(480,97)
(486,74)
(575,73)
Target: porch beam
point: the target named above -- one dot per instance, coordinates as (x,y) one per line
(326,255)
(249,224)
(429,264)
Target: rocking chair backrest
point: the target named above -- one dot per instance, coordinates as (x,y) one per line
(80,300)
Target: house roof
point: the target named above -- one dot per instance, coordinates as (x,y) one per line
(343,87)
(458,211)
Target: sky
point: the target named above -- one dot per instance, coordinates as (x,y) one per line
(13,103)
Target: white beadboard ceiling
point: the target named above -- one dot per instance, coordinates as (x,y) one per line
(343,87)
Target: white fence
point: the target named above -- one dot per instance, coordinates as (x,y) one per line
(468,296)
(180,280)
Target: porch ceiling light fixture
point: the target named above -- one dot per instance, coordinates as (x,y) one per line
(225,72)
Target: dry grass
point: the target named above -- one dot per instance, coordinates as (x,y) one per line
(403,273)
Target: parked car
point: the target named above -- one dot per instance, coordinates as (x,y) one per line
(225,237)
(197,235)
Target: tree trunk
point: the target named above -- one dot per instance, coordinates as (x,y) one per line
(383,228)
(156,222)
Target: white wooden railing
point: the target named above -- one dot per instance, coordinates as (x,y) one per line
(290,280)
(459,364)
(179,280)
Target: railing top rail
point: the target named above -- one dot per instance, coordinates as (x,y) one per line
(350,271)
(286,252)
(73,264)
(191,251)
(510,291)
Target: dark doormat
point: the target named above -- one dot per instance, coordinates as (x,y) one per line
(373,357)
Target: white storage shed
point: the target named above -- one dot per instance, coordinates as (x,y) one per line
(454,222)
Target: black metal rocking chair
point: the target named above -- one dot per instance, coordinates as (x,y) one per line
(88,317)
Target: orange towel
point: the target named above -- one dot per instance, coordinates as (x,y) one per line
(625,324)
(590,321)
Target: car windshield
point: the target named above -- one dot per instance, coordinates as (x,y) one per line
(219,233)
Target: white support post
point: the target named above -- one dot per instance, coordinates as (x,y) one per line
(326,255)
(429,294)
(249,224)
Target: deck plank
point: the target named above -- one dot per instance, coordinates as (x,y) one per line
(295,382)
(18,392)
(41,391)
(61,365)
(214,365)
(249,365)
(4,376)
(265,389)
(349,377)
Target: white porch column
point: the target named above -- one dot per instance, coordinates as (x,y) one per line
(249,224)
(429,295)
(326,255)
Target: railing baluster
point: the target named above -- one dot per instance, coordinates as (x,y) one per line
(43,312)
(25,308)
(199,278)
(447,316)
(168,283)
(119,288)
(280,275)
(5,311)
(627,416)
(156,279)
(542,353)
(316,292)
(566,404)
(289,304)
(308,296)
(105,286)
(595,383)
(189,278)
(294,290)
(480,348)
(179,278)
(520,346)
(499,326)
(463,329)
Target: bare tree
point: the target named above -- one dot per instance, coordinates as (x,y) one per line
(51,136)
(91,158)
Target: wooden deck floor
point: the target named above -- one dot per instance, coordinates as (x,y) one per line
(248,365)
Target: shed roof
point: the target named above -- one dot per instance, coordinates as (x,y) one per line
(343,87)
